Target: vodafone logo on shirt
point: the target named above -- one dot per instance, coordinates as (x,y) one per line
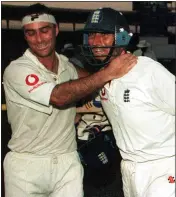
(32,80)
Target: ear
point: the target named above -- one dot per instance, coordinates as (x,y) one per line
(24,34)
(57,30)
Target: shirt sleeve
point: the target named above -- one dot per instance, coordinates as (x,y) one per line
(164,88)
(27,86)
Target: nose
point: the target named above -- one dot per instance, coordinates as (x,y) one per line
(38,37)
(97,39)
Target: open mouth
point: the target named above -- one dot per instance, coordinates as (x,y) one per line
(100,52)
(42,47)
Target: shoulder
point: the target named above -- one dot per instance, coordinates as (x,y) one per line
(63,57)
(17,67)
(65,60)
(153,68)
(66,63)
(148,63)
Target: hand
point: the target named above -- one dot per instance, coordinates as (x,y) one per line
(121,65)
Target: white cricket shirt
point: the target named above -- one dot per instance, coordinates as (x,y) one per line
(37,126)
(141,109)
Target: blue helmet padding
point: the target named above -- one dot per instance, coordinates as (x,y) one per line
(85,38)
(122,38)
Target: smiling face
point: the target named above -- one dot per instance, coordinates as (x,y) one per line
(98,40)
(41,38)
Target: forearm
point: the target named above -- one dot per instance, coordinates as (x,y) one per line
(73,91)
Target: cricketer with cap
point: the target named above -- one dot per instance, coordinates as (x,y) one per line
(41,88)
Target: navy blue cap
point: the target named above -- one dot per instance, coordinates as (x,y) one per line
(105,20)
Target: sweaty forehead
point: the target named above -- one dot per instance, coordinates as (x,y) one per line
(37,25)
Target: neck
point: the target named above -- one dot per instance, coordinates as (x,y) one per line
(51,63)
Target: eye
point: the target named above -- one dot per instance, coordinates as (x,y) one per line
(45,29)
(29,32)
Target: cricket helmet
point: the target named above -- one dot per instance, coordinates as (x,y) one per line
(106,21)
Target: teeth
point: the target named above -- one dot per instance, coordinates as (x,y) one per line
(98,50)
(41,46)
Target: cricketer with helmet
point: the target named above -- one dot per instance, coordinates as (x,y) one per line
(119,32)
(140,107)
